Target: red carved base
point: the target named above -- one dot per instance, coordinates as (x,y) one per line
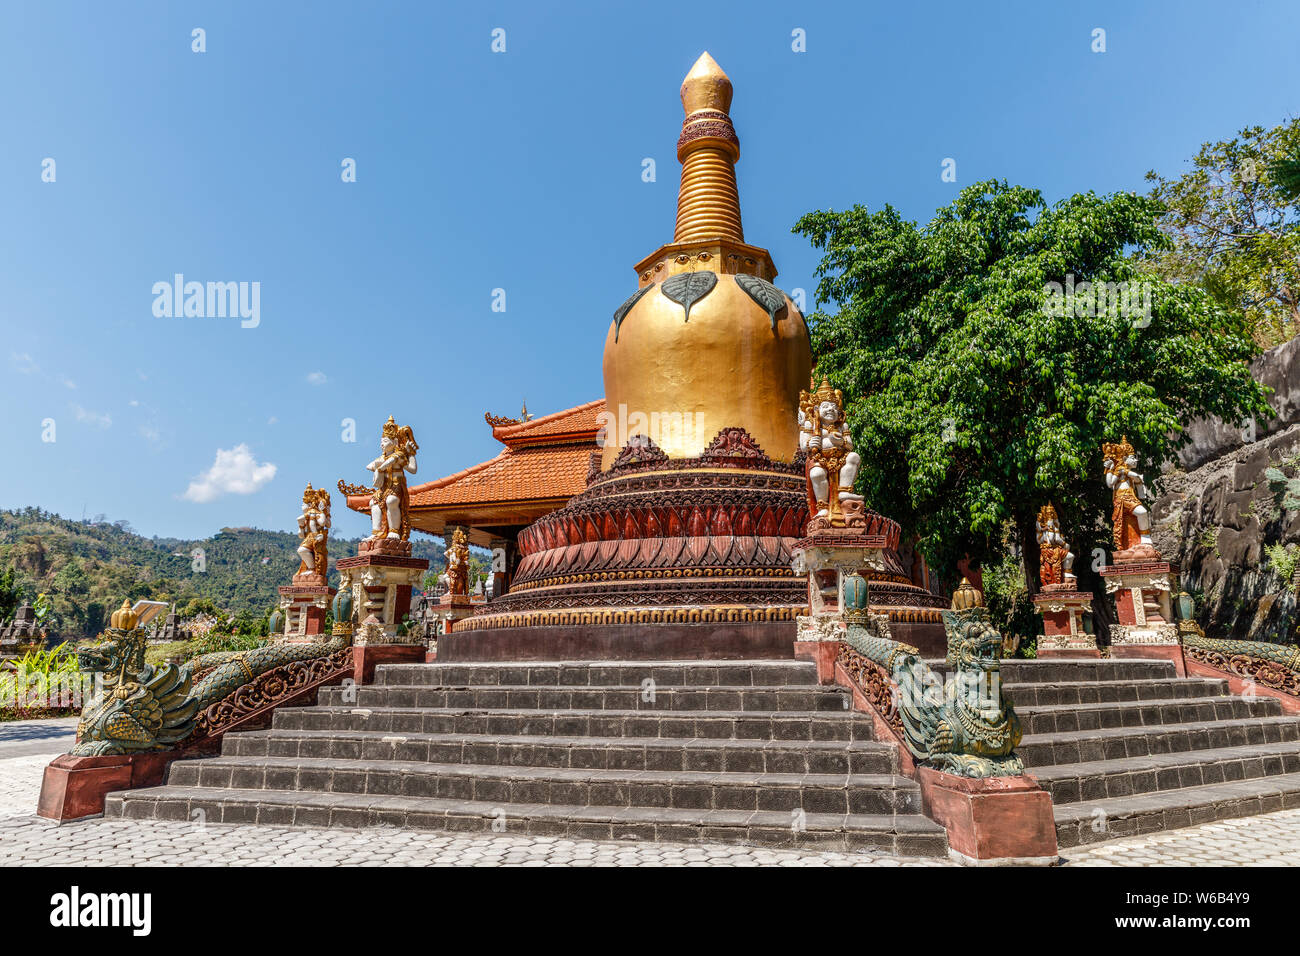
(366,659)
(992,820)
(75,787)
(391,546)
(1243,685)
(852,516)
(1138,554)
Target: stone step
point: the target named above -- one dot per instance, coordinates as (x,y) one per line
(1085,746)
(1069,670)
(1096,692)
(1134,776)
(712,725)
(611,674)
(600,753)
(903,834)
(680,789)
(660,699)
(1092,821)
(1066,718)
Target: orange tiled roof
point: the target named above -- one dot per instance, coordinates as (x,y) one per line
(545,461)
(517,474)
(579,422)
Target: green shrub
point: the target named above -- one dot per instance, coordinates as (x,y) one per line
(36,684)
(1284,559)
(1010,608)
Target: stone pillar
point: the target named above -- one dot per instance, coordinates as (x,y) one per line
(381,586)
(828,557)
(1063,632)
(381,593)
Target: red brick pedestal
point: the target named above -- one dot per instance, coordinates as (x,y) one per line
(75,787)
(992,820)
(366,659)
(1063,634)
(452,608)
(823,654)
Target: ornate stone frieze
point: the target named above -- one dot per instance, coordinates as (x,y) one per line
(1133,635)
(1272,665)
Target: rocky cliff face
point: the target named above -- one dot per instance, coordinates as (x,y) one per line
(1216,516)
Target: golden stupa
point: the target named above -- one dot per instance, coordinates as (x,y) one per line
(680,546)
(707,339)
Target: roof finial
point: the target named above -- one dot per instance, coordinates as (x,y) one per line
(708,205)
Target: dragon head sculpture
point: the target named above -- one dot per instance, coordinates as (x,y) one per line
(134,706)
(973,641)
(118,655)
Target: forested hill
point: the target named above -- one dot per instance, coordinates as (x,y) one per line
(87,568)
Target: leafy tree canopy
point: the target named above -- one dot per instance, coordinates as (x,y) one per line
(976,392)
(1234,222)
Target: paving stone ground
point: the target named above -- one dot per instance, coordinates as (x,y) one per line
(1271,839)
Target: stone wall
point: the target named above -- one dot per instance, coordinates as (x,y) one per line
(1277,369)
(1216,515)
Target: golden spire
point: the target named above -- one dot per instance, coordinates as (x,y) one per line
(708,205)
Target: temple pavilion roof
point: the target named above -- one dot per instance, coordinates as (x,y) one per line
(544,463)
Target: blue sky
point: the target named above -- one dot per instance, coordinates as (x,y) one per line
(476,171)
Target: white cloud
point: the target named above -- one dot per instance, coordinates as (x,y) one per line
(272,420)
(316,378)
(98,419)
(24,363)
(67,382)
(150,434)
(235,471)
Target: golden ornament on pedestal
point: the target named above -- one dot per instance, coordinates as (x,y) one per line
(124,619)
(967,596)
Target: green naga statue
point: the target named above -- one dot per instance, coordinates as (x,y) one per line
(138,707)
(962,725)
(1261,662)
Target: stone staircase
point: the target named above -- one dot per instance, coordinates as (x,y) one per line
(1126,747)
(754,752)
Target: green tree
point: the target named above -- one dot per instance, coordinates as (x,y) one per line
(11,594)
(976,392)
(1234,222)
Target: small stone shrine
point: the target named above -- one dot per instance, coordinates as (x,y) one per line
(1060,602)
(303,604)
(1141,582)
(382,576)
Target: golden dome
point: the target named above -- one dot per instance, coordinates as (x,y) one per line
(707,342)
(124,619)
